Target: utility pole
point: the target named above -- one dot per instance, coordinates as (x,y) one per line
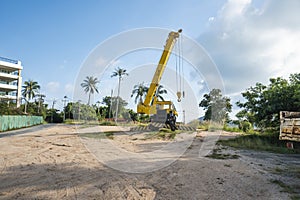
(54,102)
(98,107)
(184,117)
(110,104)
(79,110)
(40,99)
(65,101)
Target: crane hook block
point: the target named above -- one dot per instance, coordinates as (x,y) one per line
(178,96)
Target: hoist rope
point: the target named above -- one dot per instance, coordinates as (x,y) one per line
(179,68)
(181,58)
(176,64)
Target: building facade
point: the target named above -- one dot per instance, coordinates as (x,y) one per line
(10,80)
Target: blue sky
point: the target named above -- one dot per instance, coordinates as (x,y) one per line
(250,41)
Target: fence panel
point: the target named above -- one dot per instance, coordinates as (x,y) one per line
(9,122)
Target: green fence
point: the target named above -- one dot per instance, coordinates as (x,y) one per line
(9,122)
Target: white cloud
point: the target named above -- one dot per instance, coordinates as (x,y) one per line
(52,87)
(251,45)
(69,88)
(210,19)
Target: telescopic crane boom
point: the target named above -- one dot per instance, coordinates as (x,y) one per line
(151,104)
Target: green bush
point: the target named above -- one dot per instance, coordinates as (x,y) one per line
(107,123)
(210,126)
(266,141)
(231,129)
(245,126)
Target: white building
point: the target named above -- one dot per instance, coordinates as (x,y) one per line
(10,80)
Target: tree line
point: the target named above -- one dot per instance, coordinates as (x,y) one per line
(261,105)
(260,108)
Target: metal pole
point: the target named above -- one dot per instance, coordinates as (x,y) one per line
(54,101)
(109,115)
(64,101)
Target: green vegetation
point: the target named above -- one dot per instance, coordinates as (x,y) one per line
(217,107)
(139,90)
(231,129)
(163,133)
(119,72)
(90,86)
(107,123)
(216,154)
(9,109)
(264,102)
(266,141)
(29,91)
(83,112)
(210,126)
(160,91)
(101,135)
(287,188)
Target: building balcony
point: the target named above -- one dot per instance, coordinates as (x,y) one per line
(9,64)
(7,88)
(8,97)
(8,77)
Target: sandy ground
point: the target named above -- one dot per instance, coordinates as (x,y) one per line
(53,162)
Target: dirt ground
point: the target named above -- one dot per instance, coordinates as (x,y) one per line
(53,162)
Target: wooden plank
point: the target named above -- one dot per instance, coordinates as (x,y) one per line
(289,138)
(290,129)
(289,126)
(289,135)
(290,122)
(288,114)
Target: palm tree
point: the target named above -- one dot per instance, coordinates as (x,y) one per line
(90,86)
(160,91)
(120,73)
(30,88)
(140,90)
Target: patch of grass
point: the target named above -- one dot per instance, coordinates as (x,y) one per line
(142,124)
(216,154)
(163,133)
(295,197)
(101,135)
(223,156)
(285,187)
(231,129)
(211,126)
(71,121)
(278,170)
(267,141)
(107,123)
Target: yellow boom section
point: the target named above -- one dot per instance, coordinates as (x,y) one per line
(146,107)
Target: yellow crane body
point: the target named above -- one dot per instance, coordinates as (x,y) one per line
(151,104)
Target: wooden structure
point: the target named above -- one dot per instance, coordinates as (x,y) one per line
(289,126)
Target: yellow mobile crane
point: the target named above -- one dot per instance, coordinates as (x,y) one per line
(151,103)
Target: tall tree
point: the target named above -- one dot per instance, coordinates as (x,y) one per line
(139,90)
(119,72)
(217,107)
(90,86)
(264,102)
(160,91)
(29,91)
